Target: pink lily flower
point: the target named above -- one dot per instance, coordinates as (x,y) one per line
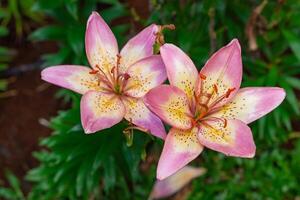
(113,88)
(172,184)
(207,109)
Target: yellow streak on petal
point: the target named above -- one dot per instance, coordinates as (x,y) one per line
(217,133)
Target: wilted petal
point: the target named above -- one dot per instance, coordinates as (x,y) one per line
(180,148)
(145,75)
(180,68)
(233,139)
(223,71)
(138,114)
(174,183)
(171,105)
(100,43)
(76,78)
(138,47)
(100,111)
(252,103)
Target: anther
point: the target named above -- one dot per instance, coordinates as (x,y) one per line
(118,59)
(97,66)
(93,71)
(126,76)
(202,76)
(215,88)
(229,91)
(112,70)
(225,123)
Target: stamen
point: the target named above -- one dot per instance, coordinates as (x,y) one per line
(225,123)
(93,71)
(126,76)
(215,88)
(202,76)
(229,91)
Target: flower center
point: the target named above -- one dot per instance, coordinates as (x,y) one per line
(113,80)
(206,103)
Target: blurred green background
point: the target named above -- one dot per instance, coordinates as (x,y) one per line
(72,165)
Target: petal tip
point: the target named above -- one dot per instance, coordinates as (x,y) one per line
(235,43)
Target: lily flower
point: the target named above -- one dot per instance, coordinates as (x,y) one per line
(173,184)
(207,109)
(112,89)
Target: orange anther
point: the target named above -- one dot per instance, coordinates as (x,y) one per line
(225,123)
(215,88)
(202,76)
(93,71)
(97,66)
(126,76)
(229,91)
(112,70)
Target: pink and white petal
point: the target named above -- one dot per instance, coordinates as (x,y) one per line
(138,47)
(223,71)
(235,139)
(175,182)
(145,75)
(138,114)
(181,70)
(171,105)
(76,78)
(180,148)
(100,111)
(100,43)
(252,103)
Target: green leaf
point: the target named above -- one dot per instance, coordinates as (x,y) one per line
(293,40)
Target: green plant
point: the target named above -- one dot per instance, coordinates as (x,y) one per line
(273,61)
(14,192)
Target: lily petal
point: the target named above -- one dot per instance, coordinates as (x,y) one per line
(176,182)
(76,78)
(181,70)
(223,71)
(138,47)
(100,111)
(180,148)
(171,105)
(233,139)
(100,43)
(252,103)
(138,114)
(145,75)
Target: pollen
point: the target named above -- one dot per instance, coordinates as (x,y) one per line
(202,76)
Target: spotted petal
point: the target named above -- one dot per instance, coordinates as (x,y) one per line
(223,71)
(180,148)
(233,139)
(100,111)
(100,43)
(252,103)
(180,68)
(138,47)
(174,183)
(171,105)
(140,115)
(76,78)
(145,75)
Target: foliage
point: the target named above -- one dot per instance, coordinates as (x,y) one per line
(5,53)
(69,29)
(97,166)
(79,166)
(17,11)
(100,166)
(274,63)
(14,192)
